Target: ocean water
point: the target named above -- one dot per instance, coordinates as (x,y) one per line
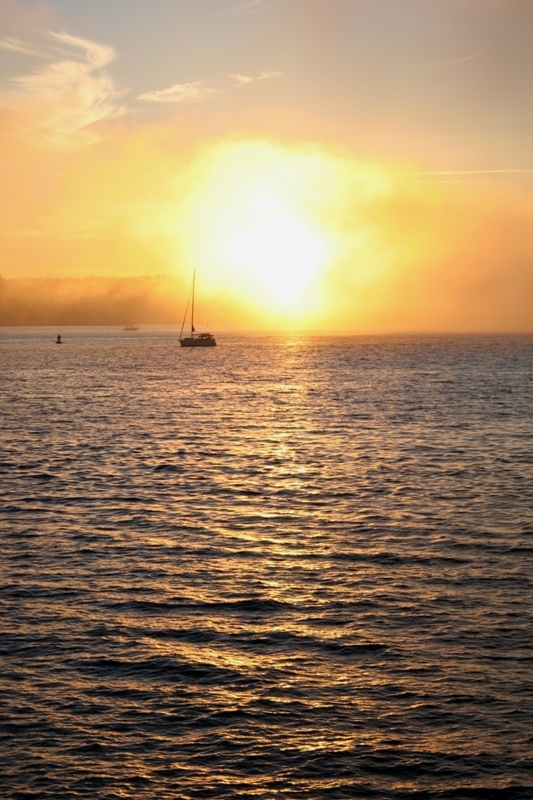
(286,567)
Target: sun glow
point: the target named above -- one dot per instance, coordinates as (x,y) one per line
(256,224)
(281,248)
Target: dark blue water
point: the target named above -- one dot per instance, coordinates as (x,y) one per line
(285,567)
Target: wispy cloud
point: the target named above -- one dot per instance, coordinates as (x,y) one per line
(69,94)
(241,80)
(456,61)
(15,45)
(473,172)
(437,66)
(200,90)
(179,93)
(60,101)
(97,55)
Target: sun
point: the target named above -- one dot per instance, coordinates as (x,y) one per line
(281,247)
(256,224)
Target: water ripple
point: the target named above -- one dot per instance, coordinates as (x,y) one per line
(294,567)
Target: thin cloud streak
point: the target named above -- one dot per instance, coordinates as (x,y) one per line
(179,93)
(197,91)
(15,45)
(98,55)
(471,172)
(471,57)
(436,66)
(64,98)
(242,80)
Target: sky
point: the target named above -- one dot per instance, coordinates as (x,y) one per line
(325,165)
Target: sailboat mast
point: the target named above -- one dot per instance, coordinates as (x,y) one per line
(192,310)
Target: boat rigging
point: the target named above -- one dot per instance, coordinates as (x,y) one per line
(195,339)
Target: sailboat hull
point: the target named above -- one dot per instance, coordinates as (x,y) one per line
(190,342)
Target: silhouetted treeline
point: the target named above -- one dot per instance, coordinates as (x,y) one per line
(90,301)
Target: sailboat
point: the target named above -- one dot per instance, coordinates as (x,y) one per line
(195,339)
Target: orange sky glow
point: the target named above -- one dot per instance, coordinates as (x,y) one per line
(336,207)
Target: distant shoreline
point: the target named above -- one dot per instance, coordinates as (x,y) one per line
(173,327)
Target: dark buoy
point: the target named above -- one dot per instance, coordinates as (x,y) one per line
(58,340)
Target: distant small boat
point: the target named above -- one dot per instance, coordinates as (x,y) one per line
(195,339)
(130,327)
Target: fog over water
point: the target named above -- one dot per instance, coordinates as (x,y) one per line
(288,566)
